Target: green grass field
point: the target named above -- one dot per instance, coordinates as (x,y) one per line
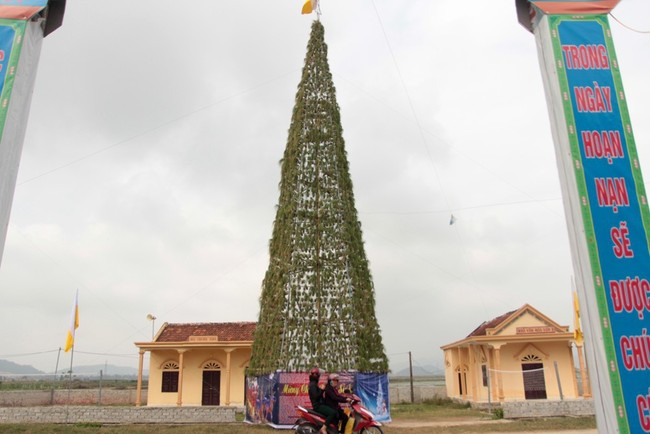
(439,417)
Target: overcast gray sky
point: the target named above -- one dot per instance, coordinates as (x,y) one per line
(149,175)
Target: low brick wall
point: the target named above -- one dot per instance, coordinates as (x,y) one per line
(30,398)
(402,393)
(543,408)
(118,415)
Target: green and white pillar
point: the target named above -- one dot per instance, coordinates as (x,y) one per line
(23,25)
(605,202)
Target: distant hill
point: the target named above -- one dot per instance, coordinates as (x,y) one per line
(7,367)
(418,371)
(11,368)
(106,370)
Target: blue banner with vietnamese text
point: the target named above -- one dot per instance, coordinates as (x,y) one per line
(614,203)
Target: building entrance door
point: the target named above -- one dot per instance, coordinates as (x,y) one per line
(211,388)
(534,383)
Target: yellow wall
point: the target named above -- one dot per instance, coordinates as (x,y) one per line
(154,395)
(511,371)
(527,319)
(513,383)
(192,387)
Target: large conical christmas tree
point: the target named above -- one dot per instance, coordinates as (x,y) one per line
(317,306)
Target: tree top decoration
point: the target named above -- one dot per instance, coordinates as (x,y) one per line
(317,306)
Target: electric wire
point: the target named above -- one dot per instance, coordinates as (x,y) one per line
(157,127)
(628,27)
(461,243)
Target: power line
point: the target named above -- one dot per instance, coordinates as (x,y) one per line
(160,126)
(30,354)
(488,205)
(626,26)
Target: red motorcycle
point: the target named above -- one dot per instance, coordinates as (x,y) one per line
(310,422)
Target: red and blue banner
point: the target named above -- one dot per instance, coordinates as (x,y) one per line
(613,206)
(272,399)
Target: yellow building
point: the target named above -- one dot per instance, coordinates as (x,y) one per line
(519,355)
(197,364)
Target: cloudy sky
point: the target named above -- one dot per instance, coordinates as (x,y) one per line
(149,174)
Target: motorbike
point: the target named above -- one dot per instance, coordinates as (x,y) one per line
(361,419)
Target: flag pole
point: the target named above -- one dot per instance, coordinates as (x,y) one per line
(70,371)
(70,377)
(69,345)
(69,380)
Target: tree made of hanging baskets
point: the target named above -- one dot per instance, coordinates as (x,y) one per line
(317,306)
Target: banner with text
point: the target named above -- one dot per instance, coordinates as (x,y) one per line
(272,399)
(613,205)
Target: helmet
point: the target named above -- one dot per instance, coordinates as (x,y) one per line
(333,377)
(314,373)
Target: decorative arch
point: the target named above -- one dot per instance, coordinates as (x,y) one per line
(531,350)
(211,365)
(170,365)
(246,363)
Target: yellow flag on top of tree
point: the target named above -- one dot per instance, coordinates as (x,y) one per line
(309,6)
(74,324)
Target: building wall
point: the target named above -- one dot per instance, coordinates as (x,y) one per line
(510,367)
(192,387)
(239,362)
(527,319)
(155,396)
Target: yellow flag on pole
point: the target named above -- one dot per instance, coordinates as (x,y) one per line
(309,6)
(74,324)
(577,330)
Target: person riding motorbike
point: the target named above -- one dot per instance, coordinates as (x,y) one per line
(317,398)
(332,400)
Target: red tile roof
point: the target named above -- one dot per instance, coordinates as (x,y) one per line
(482,329)
(225,331)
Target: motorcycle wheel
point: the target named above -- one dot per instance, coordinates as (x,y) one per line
(372,430)
(306,428)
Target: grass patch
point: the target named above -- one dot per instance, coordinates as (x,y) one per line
(437,408)
(497,413)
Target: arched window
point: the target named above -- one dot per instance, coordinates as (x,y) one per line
(211,365)
(461,372)
(170,376)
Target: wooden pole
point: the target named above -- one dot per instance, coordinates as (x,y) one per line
(411,376)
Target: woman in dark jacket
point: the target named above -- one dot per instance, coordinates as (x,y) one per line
(332,400)
(317,398)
